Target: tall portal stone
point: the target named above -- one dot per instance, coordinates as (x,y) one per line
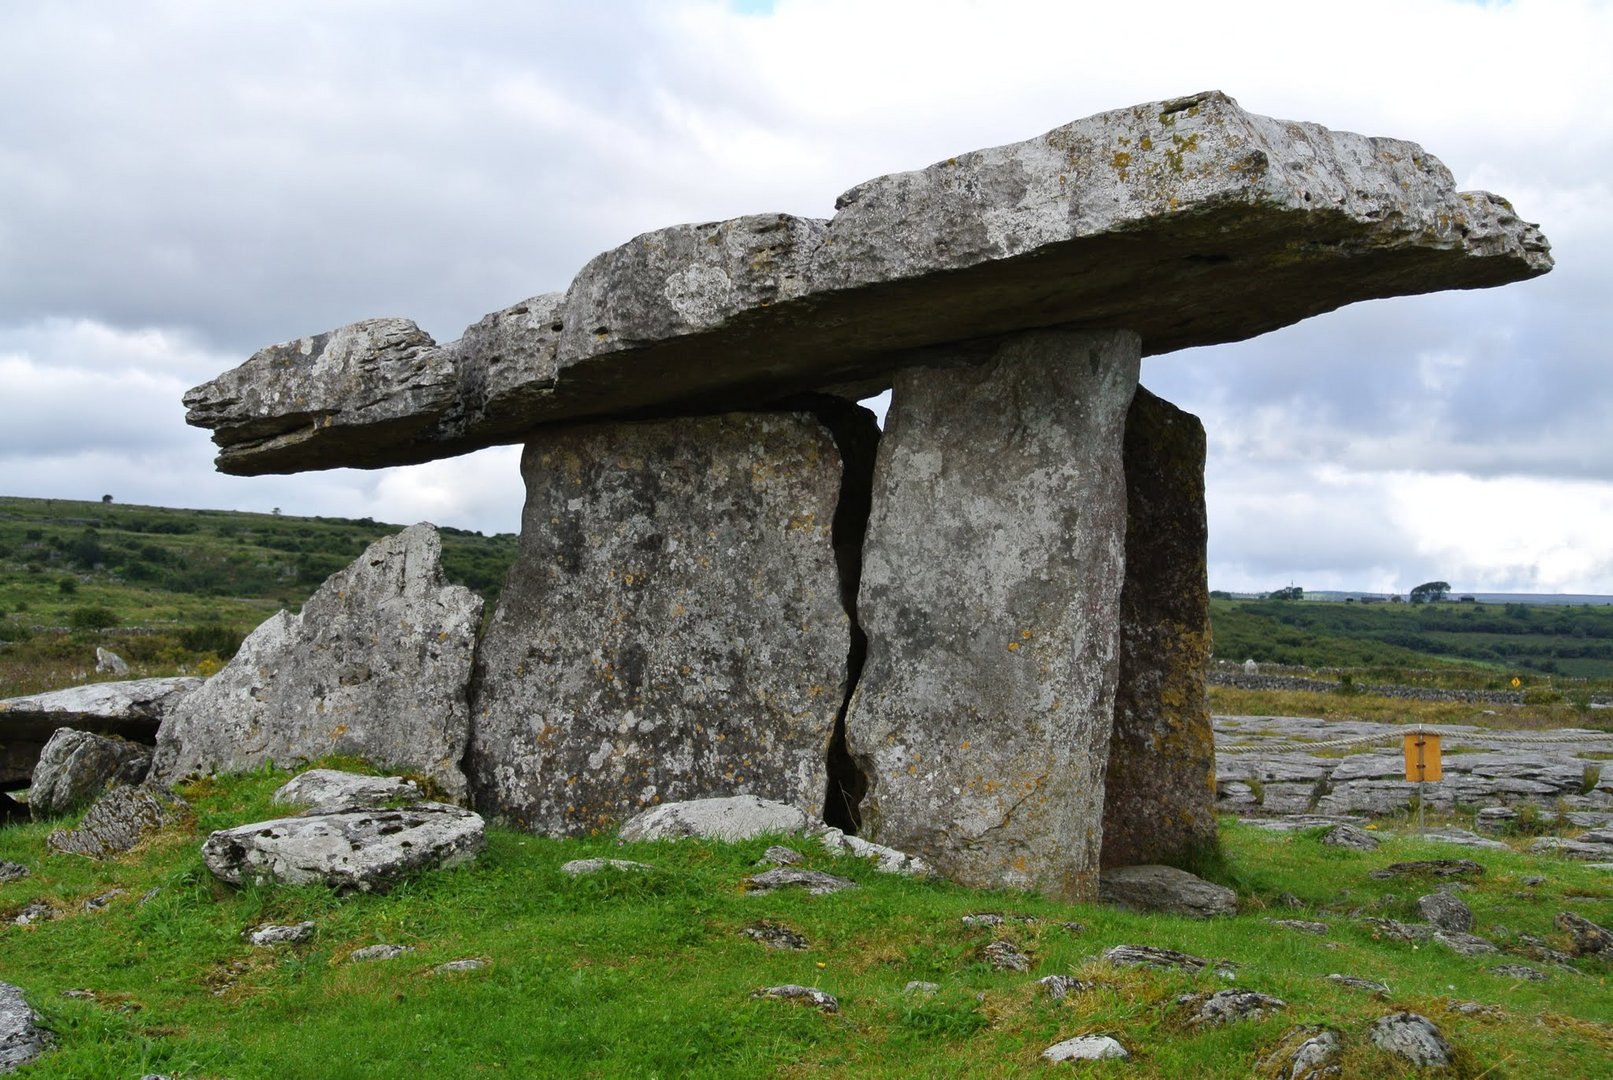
(1160,793)
(673,627)
(990,595)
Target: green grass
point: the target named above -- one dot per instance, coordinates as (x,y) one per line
(648,975)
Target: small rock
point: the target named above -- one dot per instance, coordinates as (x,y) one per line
(269,935)
(1475,1008)
(1412,1037)
(806,995)
(1348,836)
(1464,838)
(1356,983)
(775,936)
(1004,956)
(99,903)
(22,1034)
(1225,1006)
(1165,889)
(1588,938)
(1304,926)
(378,952)
(1059,987)
(1442,868)
(76,766)
(10,871)
(326,791)
(452,966)
(108,662)
(1536,949)
(1534,882)
(1399,931)
(149,895)
(1085,1048)
(813,881)
(1446,912)
(1464,944)
(779,855)
(120,819)
(737,818)
(1149,956)
(1304,1053)
(1519,971)
(992,918)
(581,867)
(927,989)
(888,859)
(38,911)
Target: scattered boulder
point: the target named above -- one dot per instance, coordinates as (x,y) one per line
(378,952)
(1587,937)
(1519,971)
(779,855)
(1304,926)
(1059,987)
(22,1033)
(1413,1038)
(108,662)
(1005,956)
(1446,912)
(270,935)
(1150,956)
(788,877)
(10,871)
(775,936)
(1166,890)
(1307,1052)
(76,766)
(324,791)
(453,967)
(584,867)
(376,666)
(1464,944)
(120,819)
(739,817)
(1227,1006)
(1439,868)
(803,995)
(1085,1048)
(1349,836)
(888,859)
(132,710)
(352,851)
(1370,986)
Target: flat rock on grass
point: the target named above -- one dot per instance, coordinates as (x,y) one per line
(1464,944)
(1149,956)
(802,995)
(1413,1038)
(787,877)
(1519,971)
(1005,956)
(121,819)
(1085,1048)
(356,851)
(1439,868)
(775,936)
(584,867)
(10,871)
(1166,890)
(1226,1006)
(1446,912)
(1354,982)
(323,791)
(22,1035)
(378,952)
(270,935)
(738,817)
(1349,836)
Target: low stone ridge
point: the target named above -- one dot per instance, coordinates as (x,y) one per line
(322,791)
(887,859)
(1348,836)
(22,1033)
(1438,868)
(1188,221)
(1166,890)
(1464,944)
(1519,971)
(378,952)
(353,851)
(120,819)
(802,995)
(76,766)
(815,882)
(375,666)
(584,867)
(1228,1006)
(1154,957)
(739,817)
(1354,982)
(1413,1038)
(1307,1052)
(132,710)
(1085,1048)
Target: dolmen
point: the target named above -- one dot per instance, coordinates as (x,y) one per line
(978,636)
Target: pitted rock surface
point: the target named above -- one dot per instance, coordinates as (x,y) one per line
(354,851)
(1413,1038)
(1085,1048)
(1227,1006)
(321,791)
(1189,221)
(375,666)
(270,935)
(76,766)
(673,627)
(22,1034)
(990,595)
(120,819)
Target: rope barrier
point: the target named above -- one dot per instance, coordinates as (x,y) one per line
(1284,745)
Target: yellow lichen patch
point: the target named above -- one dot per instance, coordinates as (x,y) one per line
(1026,635)
(1122,164)
(803,521)
(1145,144)
(1013,646)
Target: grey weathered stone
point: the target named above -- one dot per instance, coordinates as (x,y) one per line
(673,628)
(1154,957)
(76,766)
(1440,868)
(270,935)
(470,963)
(815,882)
(108,662)
(101,901)
(1348,836)
(22,1033)
(737,817)
(1464,944)
(1413,1038)
(1085,1048)
(1227,1006)
(804,995)
(378,952)
(322,791)
(990,595)
(1519,971)
(1005,956)
(1059,987)
(775,936)
(1159,791)
(38,911)
(1587,937)
(1308,1052)
(584,867)
(1167,890)
(887,859)
(779,855)
(1446,912)
(1304,926)
(132,710)
(10,871)
(1355,982)
(376,666)
(120,819)
(1188,221)
(352,851)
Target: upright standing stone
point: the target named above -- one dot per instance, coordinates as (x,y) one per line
(673,627)
(990,595)
(1159,796)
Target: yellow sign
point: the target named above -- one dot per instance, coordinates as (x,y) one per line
(1422,756)
(1516,682)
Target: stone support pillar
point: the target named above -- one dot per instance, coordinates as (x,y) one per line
(990,595)
(1160,794)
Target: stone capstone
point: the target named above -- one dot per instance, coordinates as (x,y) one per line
(22,1033)
(673,627)
(76,766)
(352,851)
(1159,790)
(990,596)
(322,791)
(1166,890)
(132,710)
(1188,221)
(376,666)
(738,817)
(120,819)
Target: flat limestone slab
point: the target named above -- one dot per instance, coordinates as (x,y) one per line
(1189,221)
(132,709)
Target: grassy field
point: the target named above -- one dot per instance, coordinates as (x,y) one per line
(649,975)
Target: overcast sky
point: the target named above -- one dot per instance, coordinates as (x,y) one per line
(182,183)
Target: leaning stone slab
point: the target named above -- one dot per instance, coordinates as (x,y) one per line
(737,817)
(131,710)
(673,627)
(76,766)
(1189,221)
(22,1033)
(1166,890)
(1159,790)
(990,595)
(322,791)
(354,851)
(121,819)
(377,666)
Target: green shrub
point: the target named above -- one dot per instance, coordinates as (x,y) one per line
(213,638)
(67,586)
(94,617)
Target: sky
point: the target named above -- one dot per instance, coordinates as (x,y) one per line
(184,182)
